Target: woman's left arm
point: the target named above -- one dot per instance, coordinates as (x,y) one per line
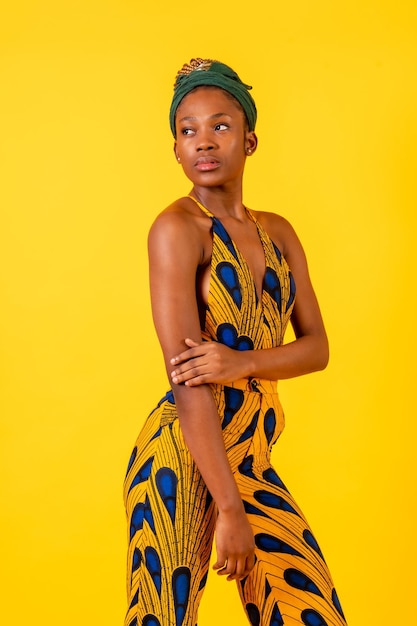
(212,362)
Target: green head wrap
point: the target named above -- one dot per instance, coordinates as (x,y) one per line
(203,72)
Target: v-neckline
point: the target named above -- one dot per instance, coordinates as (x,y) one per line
(258,295)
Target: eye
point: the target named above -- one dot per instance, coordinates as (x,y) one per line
(187,131)
(221,126)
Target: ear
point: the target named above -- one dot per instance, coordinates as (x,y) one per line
(251,142)
(176,152)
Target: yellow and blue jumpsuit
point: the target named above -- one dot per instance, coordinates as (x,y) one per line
(171,515)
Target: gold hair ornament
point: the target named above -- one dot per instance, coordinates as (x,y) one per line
(192,66)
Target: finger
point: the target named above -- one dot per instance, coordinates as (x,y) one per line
(189,368)
(249,565)
(202,379)
(191,353)
(193,376)
(240,570)
(229,569)
(221,561)
(183,356)
(192,368)
(191,343)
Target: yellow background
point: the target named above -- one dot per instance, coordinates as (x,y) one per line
(86,164)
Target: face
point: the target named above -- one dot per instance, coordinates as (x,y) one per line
(212,137)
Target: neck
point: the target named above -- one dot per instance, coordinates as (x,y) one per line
(221,202)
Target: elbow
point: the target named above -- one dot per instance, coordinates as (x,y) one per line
(322,354)
(322,362)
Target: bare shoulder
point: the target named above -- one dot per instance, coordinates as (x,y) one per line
(280,231)
(180,227)
(178,216)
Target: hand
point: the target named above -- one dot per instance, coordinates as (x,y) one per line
(235,545)
(208,362)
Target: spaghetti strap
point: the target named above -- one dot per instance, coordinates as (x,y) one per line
(210,214)
(201,206)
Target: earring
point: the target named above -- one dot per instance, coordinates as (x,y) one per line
(249,151)
(178,159)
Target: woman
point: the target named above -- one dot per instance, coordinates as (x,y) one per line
(222,295)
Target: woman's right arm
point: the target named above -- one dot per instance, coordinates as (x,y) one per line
(175,251)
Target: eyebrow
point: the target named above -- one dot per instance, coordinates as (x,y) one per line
(212,117)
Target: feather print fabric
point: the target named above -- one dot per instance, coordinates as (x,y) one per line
(171,515)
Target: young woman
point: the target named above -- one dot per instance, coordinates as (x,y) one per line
(222,294)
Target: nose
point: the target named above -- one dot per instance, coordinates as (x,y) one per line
(205,145)
(205,142)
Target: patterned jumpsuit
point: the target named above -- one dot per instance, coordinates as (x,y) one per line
(171,515)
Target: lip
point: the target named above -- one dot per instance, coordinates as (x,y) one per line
(207,163)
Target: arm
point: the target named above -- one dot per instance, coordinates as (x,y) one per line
(214,362)
(175,250)
(310,350)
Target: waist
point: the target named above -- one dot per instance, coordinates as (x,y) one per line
(254,385)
